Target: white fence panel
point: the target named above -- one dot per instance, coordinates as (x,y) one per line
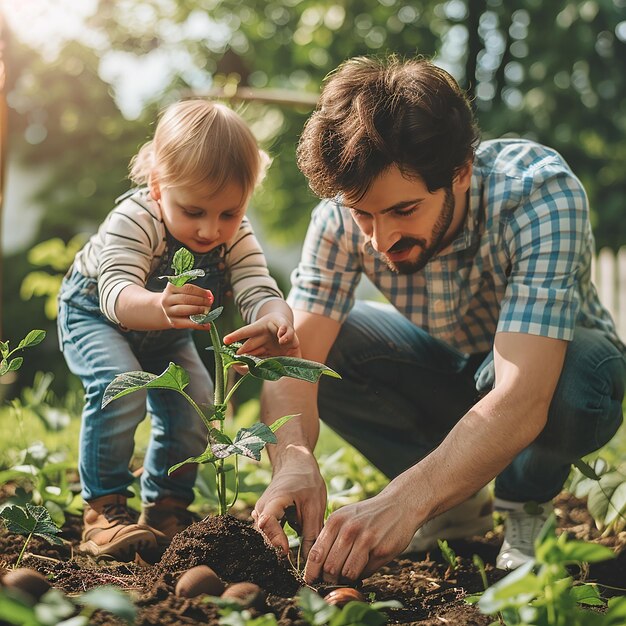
(609,274)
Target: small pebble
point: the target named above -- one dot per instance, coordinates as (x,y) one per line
(198,580)
(343,595)
(246,594)
(27,580)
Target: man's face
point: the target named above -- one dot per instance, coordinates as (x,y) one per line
(406,223)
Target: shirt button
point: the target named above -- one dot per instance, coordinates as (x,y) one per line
(228,293)
(439,306)
(221,266)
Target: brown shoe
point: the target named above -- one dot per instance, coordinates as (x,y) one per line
(110,532)
(165,518)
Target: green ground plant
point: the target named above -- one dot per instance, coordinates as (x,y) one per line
(604,487)
(249,441)
(56,609)
(30,521)
(543,593)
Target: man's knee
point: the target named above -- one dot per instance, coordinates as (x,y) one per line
(586,410)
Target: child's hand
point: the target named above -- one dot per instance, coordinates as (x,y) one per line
(270,335)
(178,303)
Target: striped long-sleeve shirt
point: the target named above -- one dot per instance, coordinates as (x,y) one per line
(130,244)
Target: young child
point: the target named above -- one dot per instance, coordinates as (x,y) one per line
(116,315)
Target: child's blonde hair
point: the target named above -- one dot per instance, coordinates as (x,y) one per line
(199,142)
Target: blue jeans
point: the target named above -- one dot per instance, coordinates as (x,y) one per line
(402,391)
(97,350)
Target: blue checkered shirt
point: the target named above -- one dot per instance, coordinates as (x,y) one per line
(521,263)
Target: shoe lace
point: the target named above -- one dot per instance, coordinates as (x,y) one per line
(116,512)
(523,529)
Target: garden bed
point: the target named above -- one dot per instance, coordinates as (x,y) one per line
(429,592)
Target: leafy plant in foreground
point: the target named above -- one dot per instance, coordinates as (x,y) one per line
(248,441)
(543,593)
(56,609)
(7,364)
(449,555)
(43,479)
(28,521)
(605,490)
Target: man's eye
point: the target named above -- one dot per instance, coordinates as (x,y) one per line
(406,212)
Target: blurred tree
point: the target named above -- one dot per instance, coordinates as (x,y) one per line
(550,71)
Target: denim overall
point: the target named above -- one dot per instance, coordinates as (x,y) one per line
(97,350)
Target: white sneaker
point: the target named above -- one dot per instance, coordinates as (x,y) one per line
(468,519)
(521,528)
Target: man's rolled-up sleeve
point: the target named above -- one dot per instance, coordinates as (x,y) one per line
(545,239)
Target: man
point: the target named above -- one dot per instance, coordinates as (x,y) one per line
(494,358)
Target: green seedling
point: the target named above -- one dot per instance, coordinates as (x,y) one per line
(7,364)
(543,592)
(30,521)
(248,442)
(449,555)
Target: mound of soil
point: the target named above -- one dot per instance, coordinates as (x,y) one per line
(430,594)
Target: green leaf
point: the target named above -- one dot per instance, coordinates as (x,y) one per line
(315,609)
(248,442)
(184,278)
(4,367)
(587,594)
(174,377)
(15,610)
(278,367)
(208,317)
(32,339)
(32,519)
(206,457)
(516,589)
(600,496)
(616,613)
(586,470)
(274,426)
(182,261)
(111,599)
(15,364)
(358,614)
(4,348)
(585,552)
(617,503)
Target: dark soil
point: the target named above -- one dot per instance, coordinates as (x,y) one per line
(430,594)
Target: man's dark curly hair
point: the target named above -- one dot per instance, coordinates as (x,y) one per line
(372,114)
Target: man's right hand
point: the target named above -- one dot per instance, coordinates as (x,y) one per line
(297,483)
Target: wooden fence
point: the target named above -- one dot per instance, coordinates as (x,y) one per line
(609,274)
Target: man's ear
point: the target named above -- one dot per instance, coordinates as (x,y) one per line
(463,178)
(155,187)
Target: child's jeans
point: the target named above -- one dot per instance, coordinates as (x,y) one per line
(402,391)
(97,350)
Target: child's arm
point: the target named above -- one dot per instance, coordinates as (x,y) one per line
(140,309)
(271,334)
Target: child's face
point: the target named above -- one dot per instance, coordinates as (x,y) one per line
(201,221)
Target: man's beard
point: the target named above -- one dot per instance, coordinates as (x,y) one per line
(428,251)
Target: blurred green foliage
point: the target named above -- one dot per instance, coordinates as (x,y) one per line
(550,71)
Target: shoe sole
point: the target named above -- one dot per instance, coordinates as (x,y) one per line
(124,549)
(462,531)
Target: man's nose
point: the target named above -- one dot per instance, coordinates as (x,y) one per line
(383,237)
